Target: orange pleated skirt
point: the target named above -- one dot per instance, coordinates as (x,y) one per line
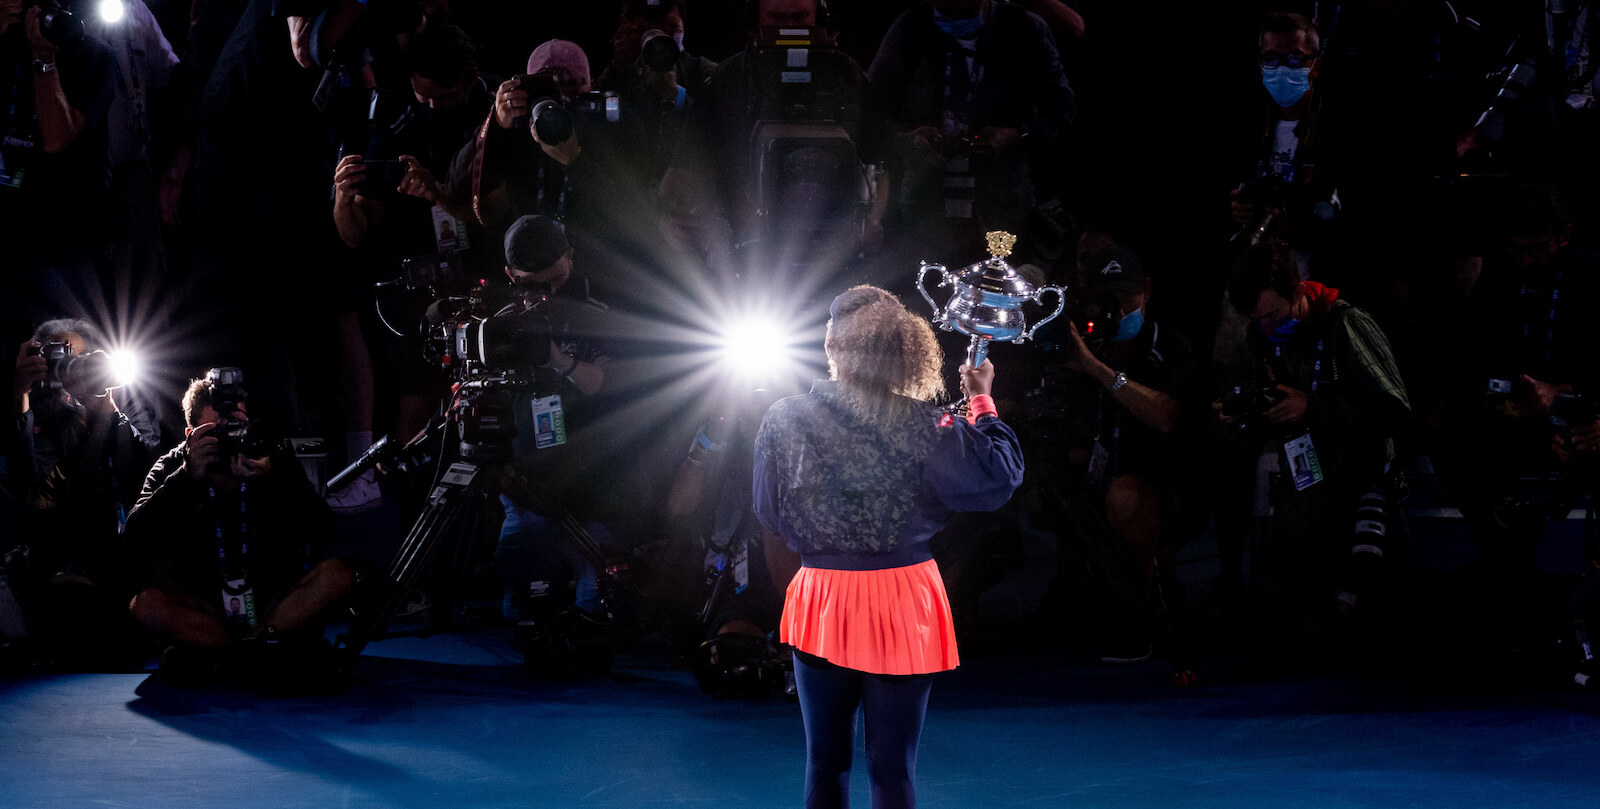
(891,621)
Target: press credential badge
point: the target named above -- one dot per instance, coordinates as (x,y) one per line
(549,422)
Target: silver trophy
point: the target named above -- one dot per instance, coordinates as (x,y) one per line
(987,301)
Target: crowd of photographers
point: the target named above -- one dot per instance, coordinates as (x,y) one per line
(1317,253)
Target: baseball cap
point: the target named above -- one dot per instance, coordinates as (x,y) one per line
(533,243)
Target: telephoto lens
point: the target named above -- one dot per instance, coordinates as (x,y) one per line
(659,51)
(1366,548)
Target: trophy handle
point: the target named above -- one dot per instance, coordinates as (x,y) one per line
(944,277)
(977,350)
(1061,303)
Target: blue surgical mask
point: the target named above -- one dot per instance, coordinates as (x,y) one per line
(1286,85)
(1282,334)
(960,28)
(1128,327)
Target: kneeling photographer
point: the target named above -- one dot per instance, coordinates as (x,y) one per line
(1142,496)
(1516,407)
(76,460)
(1322,393)
(224,538)
(566,470)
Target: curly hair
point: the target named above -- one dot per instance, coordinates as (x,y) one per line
(880,351)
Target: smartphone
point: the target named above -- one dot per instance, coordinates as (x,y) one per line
(382,177)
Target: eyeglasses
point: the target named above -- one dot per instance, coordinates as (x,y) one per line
(1273,59)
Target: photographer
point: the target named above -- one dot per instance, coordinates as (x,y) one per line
(655,77)
(53,164)
(1139,452)
(561,446)
(1285,153)
(77,461)
(972,87)
(1514,406)
(230,514)
(402,210)
(1323,387)
(396,209)
(552,148)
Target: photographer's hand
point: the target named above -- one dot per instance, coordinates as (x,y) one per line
(1292,410)
(1222,413)
(626,46)
(997,137)
(926,138)
(1585,439)
(43,49)
(419,182)
(1541,396)
(977,381)
(249,468)
(1079,357)
(10,14)
(347,177)
(510,103)
(31,368)
(200,451)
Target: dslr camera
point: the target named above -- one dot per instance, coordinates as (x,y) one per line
(1248,406)
(88,373)
(58,360)
(554,120)
(235,436)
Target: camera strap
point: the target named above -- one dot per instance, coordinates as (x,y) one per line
(974,74)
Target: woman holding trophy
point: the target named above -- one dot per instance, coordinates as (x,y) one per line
(857,476)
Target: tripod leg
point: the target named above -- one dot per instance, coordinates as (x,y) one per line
(441,519)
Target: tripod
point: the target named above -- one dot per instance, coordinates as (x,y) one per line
(453,515)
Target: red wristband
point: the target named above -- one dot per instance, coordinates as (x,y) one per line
(980,405)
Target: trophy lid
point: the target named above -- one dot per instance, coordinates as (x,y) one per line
(994,275)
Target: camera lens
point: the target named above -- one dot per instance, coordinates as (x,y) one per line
(659,51)
(61,28)
(552,122)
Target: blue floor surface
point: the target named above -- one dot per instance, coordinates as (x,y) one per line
(454,721)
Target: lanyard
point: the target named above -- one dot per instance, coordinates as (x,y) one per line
(974,75)
(1316,366)
(1550,319)
(244,534)
(20,131)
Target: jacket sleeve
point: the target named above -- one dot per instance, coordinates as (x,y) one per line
(976,466)
(764,480)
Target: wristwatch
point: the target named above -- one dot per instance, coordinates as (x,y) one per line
(1119,381)
(41,66)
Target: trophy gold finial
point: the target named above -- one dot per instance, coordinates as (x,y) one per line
(1000,243)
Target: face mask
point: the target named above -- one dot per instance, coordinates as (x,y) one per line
(678,38)
(1128,327)
(1286,85)
(1282,334)
(962,28)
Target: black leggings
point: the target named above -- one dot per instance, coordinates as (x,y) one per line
(894,705)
